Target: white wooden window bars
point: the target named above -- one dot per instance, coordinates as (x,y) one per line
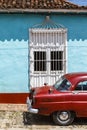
(47,53)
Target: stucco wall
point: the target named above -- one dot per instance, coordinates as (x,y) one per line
(14,36)
(13,66)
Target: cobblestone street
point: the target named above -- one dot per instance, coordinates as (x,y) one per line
(13,119)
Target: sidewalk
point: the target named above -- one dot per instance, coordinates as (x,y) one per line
(16,117)
(13,107)
(35,128)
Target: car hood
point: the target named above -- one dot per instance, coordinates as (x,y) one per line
(43,90)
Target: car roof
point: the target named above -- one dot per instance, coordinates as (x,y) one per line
(73,77)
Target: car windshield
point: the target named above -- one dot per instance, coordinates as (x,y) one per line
(62,84)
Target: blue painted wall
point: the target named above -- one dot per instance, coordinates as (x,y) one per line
(16,26)
(14,36)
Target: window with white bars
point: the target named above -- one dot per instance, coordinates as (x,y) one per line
(56,60)
(48,54)
(39,61)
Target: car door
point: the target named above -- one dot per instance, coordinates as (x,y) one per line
(79,98)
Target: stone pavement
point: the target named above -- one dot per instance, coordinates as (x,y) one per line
(16,117)
(43,129)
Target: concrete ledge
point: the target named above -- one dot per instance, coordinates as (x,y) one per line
(13,107)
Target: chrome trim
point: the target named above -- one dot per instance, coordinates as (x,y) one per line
(29,106)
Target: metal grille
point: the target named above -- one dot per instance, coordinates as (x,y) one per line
(47,55)
(39,61)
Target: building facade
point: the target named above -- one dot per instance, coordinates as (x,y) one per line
(38,44)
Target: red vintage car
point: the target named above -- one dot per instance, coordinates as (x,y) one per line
(64,101)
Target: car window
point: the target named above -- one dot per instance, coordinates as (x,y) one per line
(62,84)
(81,86)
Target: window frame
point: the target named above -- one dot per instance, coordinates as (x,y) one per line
(56,61)
(54,39)
(38,67)
(81,85)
